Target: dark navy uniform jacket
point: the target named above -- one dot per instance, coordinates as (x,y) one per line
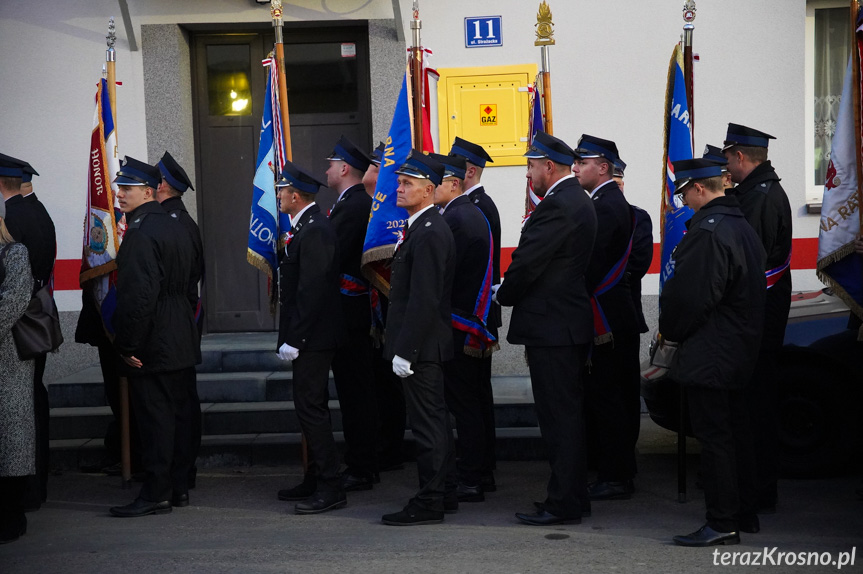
(614,229)
(545,282)
(766,208)
(349,218)
(471,234)
(177,209)
(29,223)
(713,305)
(639,261)
(310,309)
(153,320)
(419,320)
(485,204)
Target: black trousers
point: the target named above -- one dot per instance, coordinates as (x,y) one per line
(163,414)
(353,372)
(613,406)
(392,412)
(555,375)
(12,503)
(195,420)
(426,406)
(37,485)
(763,405)
(463,387)
(720,422)
(489,425)
(311,398)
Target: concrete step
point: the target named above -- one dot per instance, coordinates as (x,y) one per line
(253,417)
(279,448)
(236,352)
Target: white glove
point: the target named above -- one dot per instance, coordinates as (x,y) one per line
(494,289)
(288,353)
(401,367)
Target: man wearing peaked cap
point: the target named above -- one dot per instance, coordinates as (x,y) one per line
(551,316)
(464,374)
(419,336)
(311,328)
(173,185)
(353,364)
(714,153)
(156,336)
(476,158)
(713,307)
(765,206)
(612,393)
(29,223)
(617,174)
(370,178)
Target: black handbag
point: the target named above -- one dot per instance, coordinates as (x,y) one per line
(38,331)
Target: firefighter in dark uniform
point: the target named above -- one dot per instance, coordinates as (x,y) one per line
(156,337)
(713,307)
(551,316)
(419,335)
(464,374)
(612,393)
(353,367)
(766,207)
(173,185)
(310,331)
(29,223)
(477,157)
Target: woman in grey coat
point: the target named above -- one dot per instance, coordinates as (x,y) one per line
(17,422)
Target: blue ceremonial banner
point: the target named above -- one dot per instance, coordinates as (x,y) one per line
(387,219)
(266,221)
(839,266)
(678,146)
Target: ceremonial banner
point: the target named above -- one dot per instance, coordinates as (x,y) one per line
(678,146)
(387,219)
(104,223)
(839,267)
(268,227)
(535,125)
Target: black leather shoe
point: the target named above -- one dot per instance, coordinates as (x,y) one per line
(13,529)
(413,515)
(300,492)
(321,502)
(141,507)
(180,500)
(545,518)
(706,536)
(352,482)
(749,524)
(487,483)
(585,513)
(609,490)
(466,493)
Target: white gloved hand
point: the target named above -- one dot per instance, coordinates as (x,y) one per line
(401,367)
(288,353)
(494,289)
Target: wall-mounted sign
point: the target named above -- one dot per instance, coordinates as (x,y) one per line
(488,115)
(483,32)
(349,50)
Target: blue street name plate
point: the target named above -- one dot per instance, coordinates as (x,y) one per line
(482,32)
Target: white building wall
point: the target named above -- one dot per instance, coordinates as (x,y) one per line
(609,70)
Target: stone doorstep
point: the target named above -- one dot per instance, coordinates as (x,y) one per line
(277,448)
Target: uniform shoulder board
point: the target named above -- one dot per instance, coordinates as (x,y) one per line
(136,223)
(765,186)
(711,222)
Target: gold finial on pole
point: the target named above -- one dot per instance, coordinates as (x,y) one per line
(544,26)
(689,12)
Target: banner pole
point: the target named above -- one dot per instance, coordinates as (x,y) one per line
(416,68)
(544,39)
(858,124)
(278,25)
(688,29)
(125,446)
